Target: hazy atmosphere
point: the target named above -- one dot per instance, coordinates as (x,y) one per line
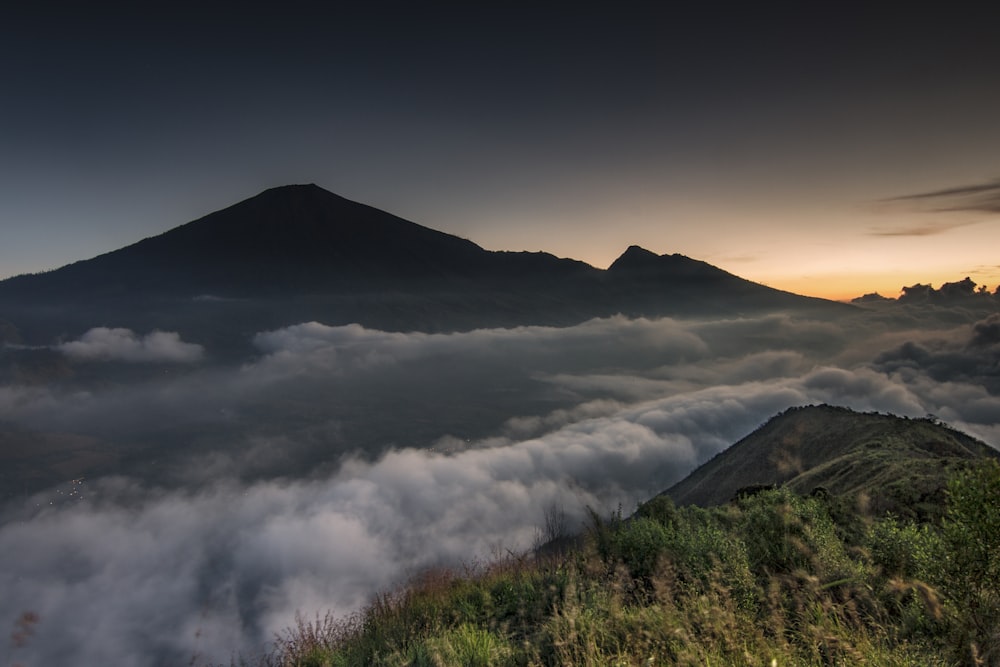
(196,443)
(828,151)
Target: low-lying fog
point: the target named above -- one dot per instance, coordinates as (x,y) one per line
(218,500)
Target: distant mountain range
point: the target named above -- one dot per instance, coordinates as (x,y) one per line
(893,464)
(299,252)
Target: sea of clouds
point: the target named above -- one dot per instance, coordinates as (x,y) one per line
(210,561)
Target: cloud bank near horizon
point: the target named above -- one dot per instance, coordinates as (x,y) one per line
(612,412)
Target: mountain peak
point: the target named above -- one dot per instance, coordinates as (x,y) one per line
(296,187)
(295,192)
(635,257)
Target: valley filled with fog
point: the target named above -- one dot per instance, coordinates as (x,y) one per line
(163,501)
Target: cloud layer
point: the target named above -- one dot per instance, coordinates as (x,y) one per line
(463,443)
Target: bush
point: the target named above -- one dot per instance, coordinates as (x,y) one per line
(971,568)
(660,509)
(704,552)
(639,544)
(785,532)
(906,549)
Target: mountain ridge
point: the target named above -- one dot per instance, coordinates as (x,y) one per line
(891,463)
(312,254)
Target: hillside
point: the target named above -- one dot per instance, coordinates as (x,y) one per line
(774,577)
(893,463)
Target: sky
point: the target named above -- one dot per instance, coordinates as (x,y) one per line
(830,151)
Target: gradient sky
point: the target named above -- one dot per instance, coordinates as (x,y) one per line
(830,152)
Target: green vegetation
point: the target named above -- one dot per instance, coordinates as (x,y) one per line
(896,464)
(771,578)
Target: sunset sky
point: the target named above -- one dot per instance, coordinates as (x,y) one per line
(830,152)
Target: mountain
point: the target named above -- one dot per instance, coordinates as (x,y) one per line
(645,281)
(297,238)
(893,463)
(299,252)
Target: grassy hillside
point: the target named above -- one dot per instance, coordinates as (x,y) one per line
(889,463)
(772,577)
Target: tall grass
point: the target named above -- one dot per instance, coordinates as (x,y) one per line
(772,577)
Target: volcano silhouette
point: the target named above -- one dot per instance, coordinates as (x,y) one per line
(301,252)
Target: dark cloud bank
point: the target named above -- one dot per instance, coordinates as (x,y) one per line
(400,451)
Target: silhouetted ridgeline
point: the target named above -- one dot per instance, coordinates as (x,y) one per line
(300,253)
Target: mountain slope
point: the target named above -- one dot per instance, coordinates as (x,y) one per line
(643,281)
(297,237)
(893,463)
(299,253)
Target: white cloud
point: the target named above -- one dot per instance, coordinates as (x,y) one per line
(104,344)
(313,347)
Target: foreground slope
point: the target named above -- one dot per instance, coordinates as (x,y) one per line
(895,464)
(774,577)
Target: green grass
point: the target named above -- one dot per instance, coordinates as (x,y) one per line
(774,578)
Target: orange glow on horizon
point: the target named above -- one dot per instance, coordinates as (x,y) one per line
(828,282)
(844,287)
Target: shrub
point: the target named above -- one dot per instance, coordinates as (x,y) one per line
(660,509)
(905,549)
(639,544)
(704,553)
(785,532)
(971,568)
